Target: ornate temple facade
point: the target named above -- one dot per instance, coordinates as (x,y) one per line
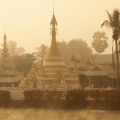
(53,73)
(9,77)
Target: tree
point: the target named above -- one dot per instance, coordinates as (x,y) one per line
(63,48)
(41,51)
(14,50)
(12,46)
(113,22)
(24,63)
(99,42)
(74,46)
(80,46)
(20,51)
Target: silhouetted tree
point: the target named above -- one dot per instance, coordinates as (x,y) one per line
(20,51)
(23,63)
(80,46)
(99,42)
(63,48)
(14,50)
(113,22)
(41,51)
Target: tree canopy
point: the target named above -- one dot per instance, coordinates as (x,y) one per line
(41,51)
(14,49)
(74,46)
(23,63)
(99,42)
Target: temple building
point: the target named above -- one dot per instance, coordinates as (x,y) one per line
(9,77)
(103,72)
(53,73)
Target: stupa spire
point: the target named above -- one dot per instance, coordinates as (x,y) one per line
(53,6)
(53,59)
(5,55)
(5,49)
(53,24)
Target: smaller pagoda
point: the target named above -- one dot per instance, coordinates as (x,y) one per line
(9,77)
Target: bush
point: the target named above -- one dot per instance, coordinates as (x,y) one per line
(75,99)
(4,98)
(38,98)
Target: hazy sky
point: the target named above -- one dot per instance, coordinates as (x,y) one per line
(28,21)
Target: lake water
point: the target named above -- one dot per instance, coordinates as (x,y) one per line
(42,114)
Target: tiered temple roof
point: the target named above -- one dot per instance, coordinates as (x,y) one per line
(8,74)
(54,73)
(53,60)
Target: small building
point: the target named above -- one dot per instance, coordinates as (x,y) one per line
(101,76)
(102,73)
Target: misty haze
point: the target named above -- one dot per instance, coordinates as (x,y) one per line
(59,60)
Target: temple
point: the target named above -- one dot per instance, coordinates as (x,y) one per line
(9,77)
(53,73)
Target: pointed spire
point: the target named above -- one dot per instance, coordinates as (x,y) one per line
(4,33)
(53,59)
(53,24)
(53,6)
(53,21)
(5,55)
(5,49)
(53,30)
(4,37)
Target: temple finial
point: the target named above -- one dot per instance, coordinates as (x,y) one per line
(53,21)
(4,29)
(53,6)
(4,33)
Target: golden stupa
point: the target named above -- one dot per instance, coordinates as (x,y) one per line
(53,73)
(53,60)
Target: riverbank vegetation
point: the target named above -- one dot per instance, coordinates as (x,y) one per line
(72,99)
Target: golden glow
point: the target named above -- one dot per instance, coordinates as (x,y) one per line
(28,21)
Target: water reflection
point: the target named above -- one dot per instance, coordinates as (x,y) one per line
(42,114)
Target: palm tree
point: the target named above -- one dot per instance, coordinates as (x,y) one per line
(113,22)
